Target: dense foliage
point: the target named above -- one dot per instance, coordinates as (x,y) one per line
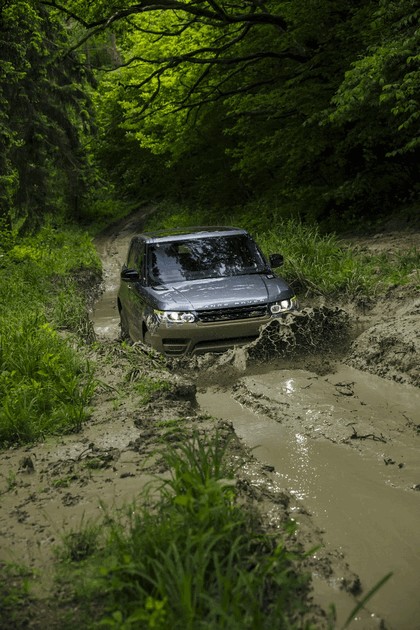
(45,384)
(44,117)
(313,106)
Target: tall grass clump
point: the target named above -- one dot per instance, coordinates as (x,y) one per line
(323,264)
(313,262)
(197,560)
(45,385)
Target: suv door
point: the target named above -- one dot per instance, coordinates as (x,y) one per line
(132,292)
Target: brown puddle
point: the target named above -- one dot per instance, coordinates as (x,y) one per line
(361,497)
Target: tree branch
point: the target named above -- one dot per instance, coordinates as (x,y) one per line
(166,32)
(172,62)
(214,94)
(205,101)
(256,15)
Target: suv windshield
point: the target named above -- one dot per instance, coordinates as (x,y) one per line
(213,257)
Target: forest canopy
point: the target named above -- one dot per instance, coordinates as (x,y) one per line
(313,106)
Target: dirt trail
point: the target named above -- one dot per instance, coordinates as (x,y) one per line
(336,433)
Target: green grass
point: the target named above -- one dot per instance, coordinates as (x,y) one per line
(150,389)
(14,594)
(79,544)
(45,384)
(54,250)
(315,263)
(194,559)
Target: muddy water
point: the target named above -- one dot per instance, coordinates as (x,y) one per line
(367,508)
(105,314)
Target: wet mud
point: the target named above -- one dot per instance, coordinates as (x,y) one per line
(325,406)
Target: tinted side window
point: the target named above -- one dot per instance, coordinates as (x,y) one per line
(136,257)
(132,255)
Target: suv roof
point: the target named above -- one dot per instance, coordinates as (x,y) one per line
(174,234)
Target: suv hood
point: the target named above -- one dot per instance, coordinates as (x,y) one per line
(221,292)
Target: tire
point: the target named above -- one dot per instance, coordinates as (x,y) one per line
(147,338)
(125,336)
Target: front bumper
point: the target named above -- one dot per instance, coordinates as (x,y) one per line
(178,339)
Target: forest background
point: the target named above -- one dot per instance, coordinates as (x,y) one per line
(309,110)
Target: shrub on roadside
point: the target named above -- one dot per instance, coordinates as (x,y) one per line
(195,558)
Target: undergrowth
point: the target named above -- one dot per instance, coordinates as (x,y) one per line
(314,263)
(14,594)
(194,558)
(45,384)
(149,389)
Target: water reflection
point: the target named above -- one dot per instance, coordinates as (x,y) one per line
(289,386)
(303,470)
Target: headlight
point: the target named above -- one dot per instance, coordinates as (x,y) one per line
(284,305)
(181,317)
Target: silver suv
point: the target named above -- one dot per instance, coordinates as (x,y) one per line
(196,290)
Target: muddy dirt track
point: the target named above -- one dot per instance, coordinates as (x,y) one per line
(329,403)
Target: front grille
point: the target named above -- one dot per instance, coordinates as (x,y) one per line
(233,313)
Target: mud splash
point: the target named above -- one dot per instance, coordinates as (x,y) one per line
(313,335)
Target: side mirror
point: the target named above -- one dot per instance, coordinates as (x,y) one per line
(276,260)
(130,275)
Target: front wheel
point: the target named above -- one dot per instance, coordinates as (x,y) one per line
(147,338)
(125,336)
